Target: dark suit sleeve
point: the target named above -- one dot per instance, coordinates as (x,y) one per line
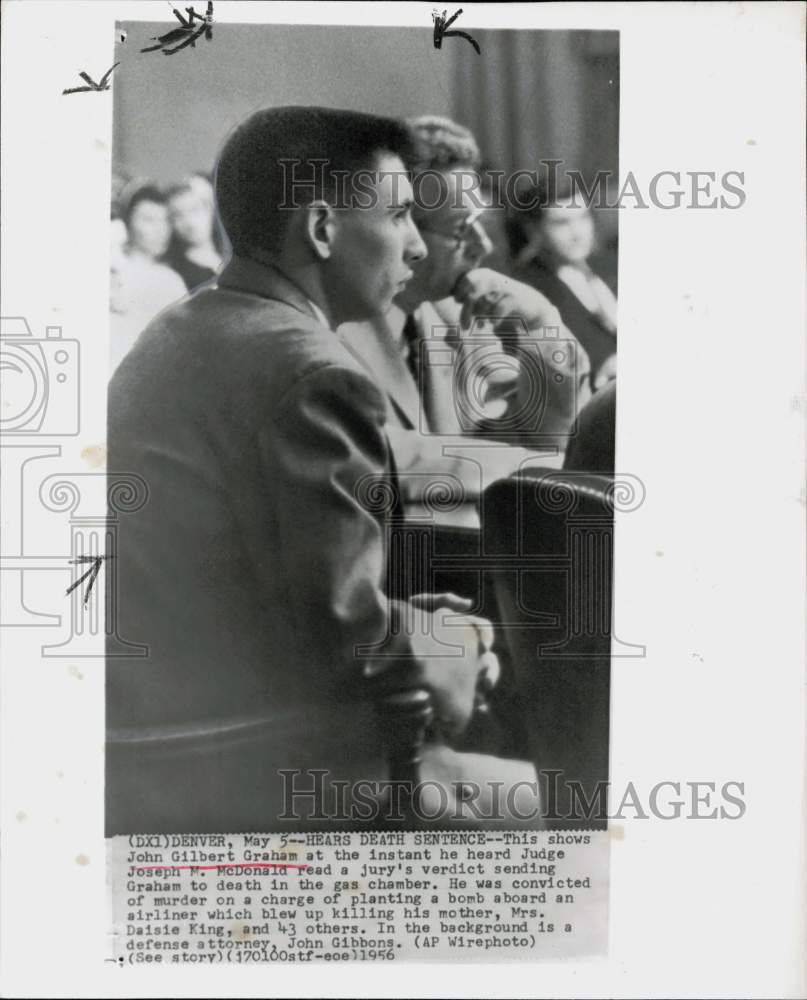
(328,456)
(326,453)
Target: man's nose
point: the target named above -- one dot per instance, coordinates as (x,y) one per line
(478,244)
(416,249)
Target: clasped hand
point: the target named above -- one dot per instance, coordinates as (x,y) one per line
(456,660)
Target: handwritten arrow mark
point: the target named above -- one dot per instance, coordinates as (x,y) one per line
(187,33)
(103,83)
(441,25)
(90,575)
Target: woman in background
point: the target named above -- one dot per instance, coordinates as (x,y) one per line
(551,244)
(193,253)
(140,286)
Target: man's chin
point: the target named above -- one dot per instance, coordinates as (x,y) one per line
(408,299)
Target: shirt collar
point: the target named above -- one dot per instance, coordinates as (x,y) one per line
(244,274)
(320,315)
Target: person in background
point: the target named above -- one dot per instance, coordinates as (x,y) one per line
(140,286)
(421,352)
(552,243)
(147,225)
(193,253)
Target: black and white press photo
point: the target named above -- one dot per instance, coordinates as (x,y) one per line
(402,565)
(392,359)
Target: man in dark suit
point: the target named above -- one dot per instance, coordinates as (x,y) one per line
(255,572)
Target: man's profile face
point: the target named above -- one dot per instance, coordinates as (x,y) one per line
(374,247)
(453,233)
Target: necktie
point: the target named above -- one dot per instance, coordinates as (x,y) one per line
(411,338)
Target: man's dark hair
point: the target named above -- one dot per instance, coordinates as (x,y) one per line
(273,161)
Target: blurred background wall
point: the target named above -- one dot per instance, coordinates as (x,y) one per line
(541,95)
(530,95)
(172,112)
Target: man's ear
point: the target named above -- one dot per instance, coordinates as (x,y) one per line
(320,228)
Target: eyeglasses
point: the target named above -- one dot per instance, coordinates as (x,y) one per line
(470,228)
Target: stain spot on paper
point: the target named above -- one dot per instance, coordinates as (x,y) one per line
(94,455)
(82,859)
(75,672)
(616,831)
(22,816)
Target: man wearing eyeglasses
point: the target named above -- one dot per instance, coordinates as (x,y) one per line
(460,353)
